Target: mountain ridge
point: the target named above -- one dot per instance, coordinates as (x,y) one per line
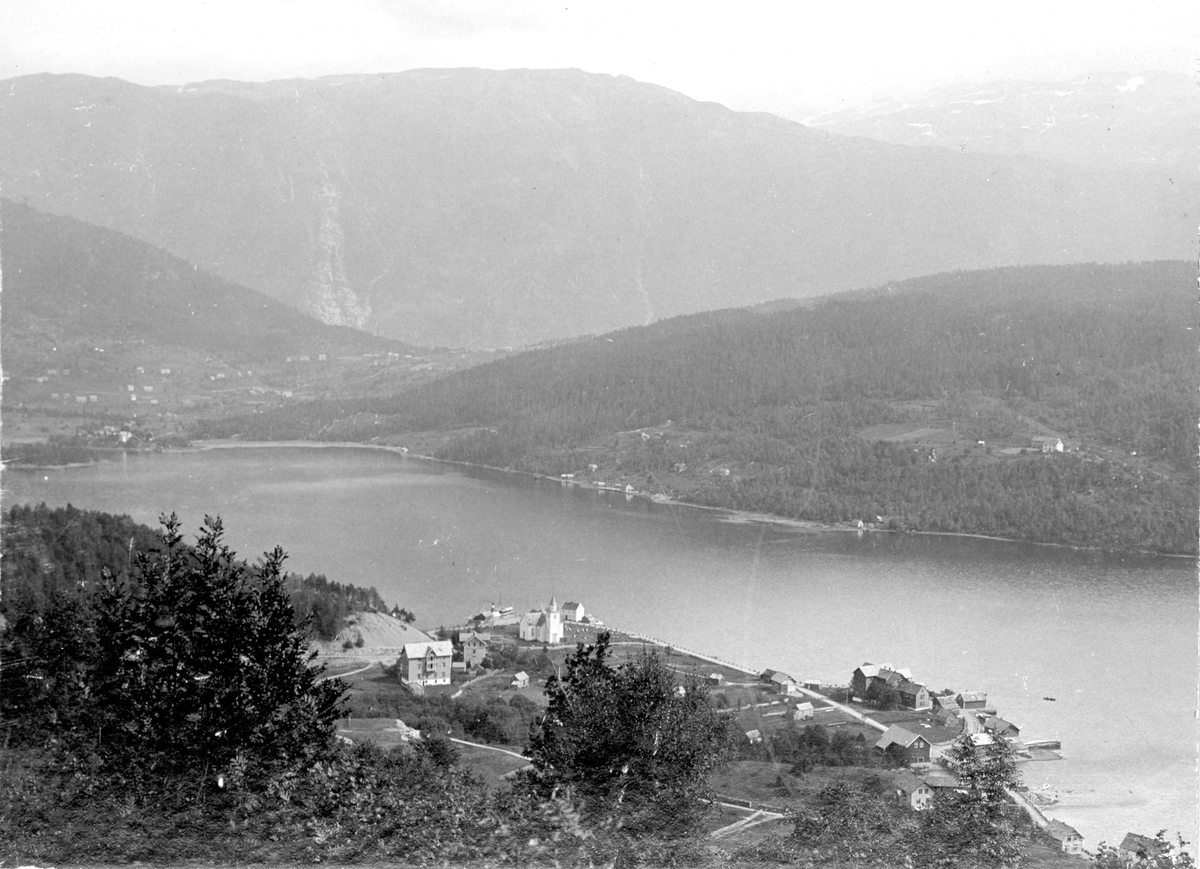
(1151,117)
(469,207)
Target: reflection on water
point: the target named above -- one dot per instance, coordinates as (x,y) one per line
(1111,637)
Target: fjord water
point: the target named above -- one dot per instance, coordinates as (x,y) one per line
(1112,638)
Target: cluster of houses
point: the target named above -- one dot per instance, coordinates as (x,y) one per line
(431,662)
(547,624)
(923,791)
(869,679)
(145,392)
(920,787)
(785,684)
(113,434)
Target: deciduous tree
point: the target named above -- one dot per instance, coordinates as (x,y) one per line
(976,825)
(629,743)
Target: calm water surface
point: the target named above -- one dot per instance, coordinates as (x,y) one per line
(1112,638)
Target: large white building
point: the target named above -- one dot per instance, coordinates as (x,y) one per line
(425,663)
(542,625)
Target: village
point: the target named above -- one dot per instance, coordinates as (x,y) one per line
(501,656)
(77,389)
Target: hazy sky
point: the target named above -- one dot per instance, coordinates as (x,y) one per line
(784,57)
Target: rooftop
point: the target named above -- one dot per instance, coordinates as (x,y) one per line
(897,735)
(1062,831)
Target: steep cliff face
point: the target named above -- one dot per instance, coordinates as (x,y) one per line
(331,299)
(468,207)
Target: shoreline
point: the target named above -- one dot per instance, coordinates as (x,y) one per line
(744,516)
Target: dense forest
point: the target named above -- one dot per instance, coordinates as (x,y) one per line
(916,402)
(56,552)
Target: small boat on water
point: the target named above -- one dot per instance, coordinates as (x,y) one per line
(1051,699)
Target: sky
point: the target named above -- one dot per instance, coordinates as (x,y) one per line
(789,58)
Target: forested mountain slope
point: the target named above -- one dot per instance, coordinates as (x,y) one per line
(68,281)
(481,208)
(871,404)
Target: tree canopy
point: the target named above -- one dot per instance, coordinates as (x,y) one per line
(628,743)
(975,825)
(192,661)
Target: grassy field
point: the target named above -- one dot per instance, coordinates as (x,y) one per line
(491,766)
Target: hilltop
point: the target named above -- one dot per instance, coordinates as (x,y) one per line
(466,207)
(914,405)
(368,637)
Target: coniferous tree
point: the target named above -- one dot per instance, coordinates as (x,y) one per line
(190,661)
(201,663)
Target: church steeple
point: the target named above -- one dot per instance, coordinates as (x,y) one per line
(553,604)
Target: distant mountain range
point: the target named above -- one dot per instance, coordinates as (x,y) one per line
(477,208)
(1150,119)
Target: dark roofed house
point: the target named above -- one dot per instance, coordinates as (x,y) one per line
(992,724)
(782,682)
(1134,847)
(916,746)
(943,785)
(860,680)
(947,716)
(913,792)
(1068,837)
(913,695)
(971,699)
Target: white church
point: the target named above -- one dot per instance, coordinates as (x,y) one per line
(542,625)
